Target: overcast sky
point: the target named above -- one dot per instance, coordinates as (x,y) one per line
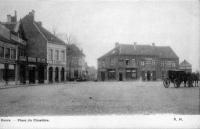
(97,25)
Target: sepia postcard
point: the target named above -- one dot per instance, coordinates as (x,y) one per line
(99,64)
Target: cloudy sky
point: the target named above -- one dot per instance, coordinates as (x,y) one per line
(97,25)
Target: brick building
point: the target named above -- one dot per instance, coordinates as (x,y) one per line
(46,52)
(12,49)
(76,65)
(133,61)
(185,66)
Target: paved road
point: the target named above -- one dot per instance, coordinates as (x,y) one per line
(99,98)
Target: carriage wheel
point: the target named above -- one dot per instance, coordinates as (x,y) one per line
(166,83)
(176,83)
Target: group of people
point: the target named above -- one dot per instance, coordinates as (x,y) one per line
(191,79)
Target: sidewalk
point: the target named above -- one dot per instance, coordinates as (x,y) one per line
(13,85)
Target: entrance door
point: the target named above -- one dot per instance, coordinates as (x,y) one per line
(103,76)
(154,75)
(32,75)
(50,75)
(56,74)
(22,74)
(41,74)
(148,75)
(120,77)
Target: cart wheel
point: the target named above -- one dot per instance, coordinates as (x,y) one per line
(176,83)
(166,83)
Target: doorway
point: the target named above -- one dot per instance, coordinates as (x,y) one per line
(103,76)
(148,75)
(120,77)
(31,74)
(50,75)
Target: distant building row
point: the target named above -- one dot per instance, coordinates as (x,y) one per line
(134,61)
(31,54)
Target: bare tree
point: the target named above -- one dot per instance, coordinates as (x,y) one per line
(54,30)
(70,39)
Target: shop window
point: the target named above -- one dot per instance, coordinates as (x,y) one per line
(7,53)
(111,74)
(2,52)
(131,74)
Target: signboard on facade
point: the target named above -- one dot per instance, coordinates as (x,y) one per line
(41,60)
(31,59)
(11,67)
(22,58)
(1,66)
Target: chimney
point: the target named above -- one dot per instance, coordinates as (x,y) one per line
(39,23)
(116,44)
(134,44)
(9,18)
(32,15)
(153,44)
(15,16)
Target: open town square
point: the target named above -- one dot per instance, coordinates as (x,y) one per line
(104,57)
(89,98)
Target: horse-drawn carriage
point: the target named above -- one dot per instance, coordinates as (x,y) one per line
(178,76)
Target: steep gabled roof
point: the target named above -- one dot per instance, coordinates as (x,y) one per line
(185,63)
(30,26)
(127,49)
(49,36)
(73,50)
(165,52)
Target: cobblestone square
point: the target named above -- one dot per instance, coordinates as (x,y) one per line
(86,98)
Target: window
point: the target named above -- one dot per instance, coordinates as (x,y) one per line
(127,61)
(133,62)
(1,51)
(7,53)
(162,63)
(63,55)
(57,55)
(131,74)
(153,62)
(148,61)
(111,74)
(120,61)
(142,63)
(173,64)
(50,54)
(112,61)
(13,54)
(103,64)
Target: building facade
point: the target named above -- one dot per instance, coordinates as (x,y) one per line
(12,49)
(131,62)
(76,65)
(46,52)
(185,66)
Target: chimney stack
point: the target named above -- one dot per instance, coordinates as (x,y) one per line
(39,23)
(9,18)
(116,44)
(32,15)
(15,16)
